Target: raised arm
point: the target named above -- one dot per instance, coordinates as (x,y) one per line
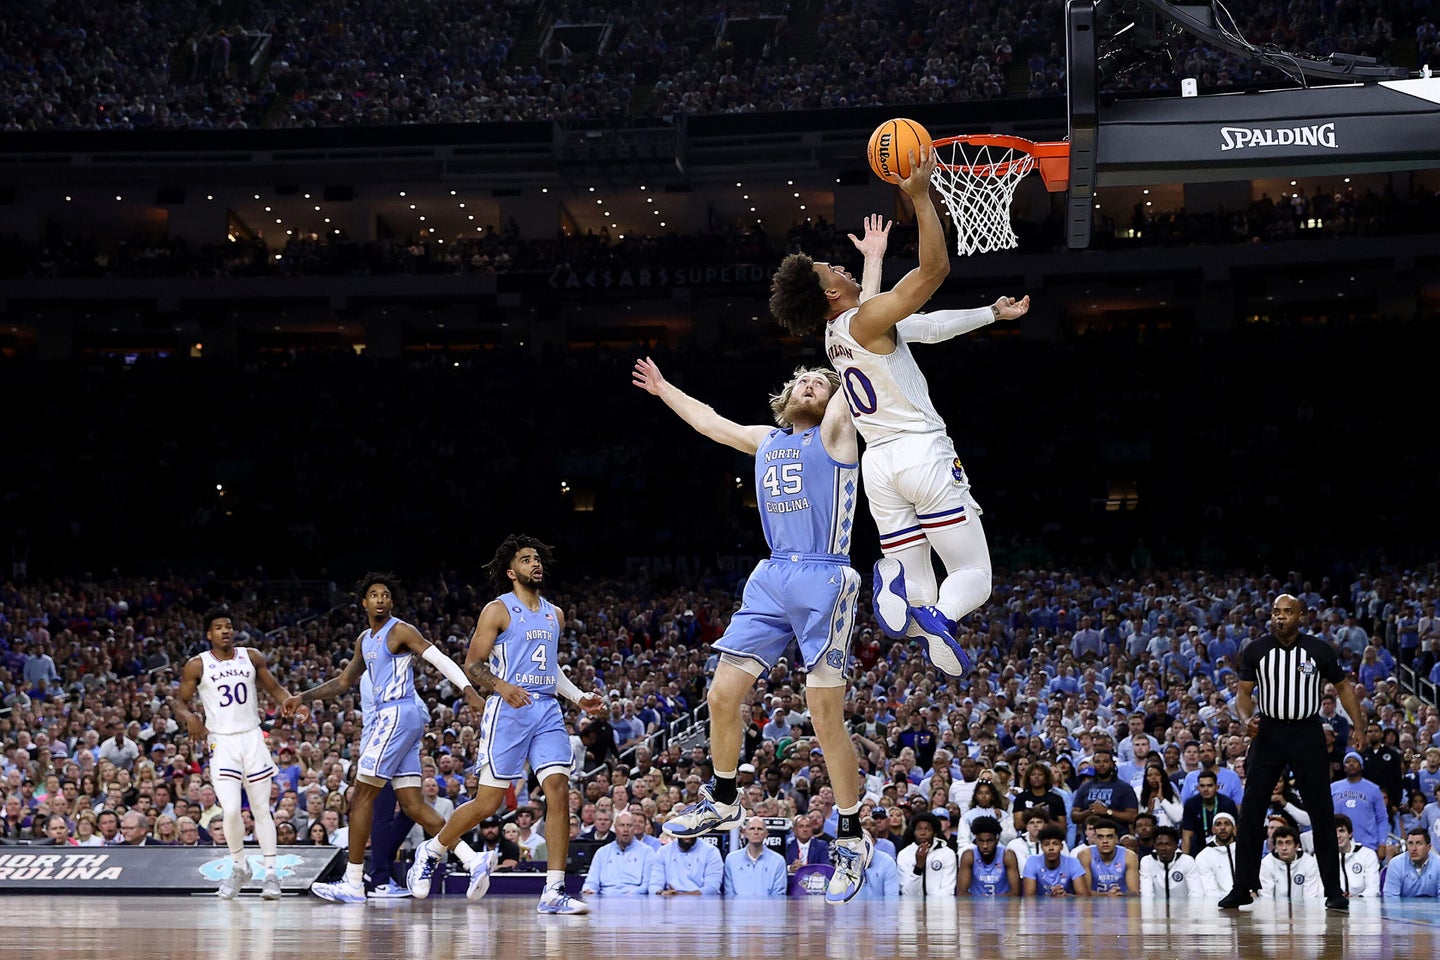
(837,429)
(701,416)
(180,701)
(876,318)
(872,247)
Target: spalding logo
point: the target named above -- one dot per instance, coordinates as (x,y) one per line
(1299,878)
(936,865)
(1356,868)
(1177,877)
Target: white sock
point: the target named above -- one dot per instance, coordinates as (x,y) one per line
(355,874)
(269,864)
(466,853)
(554,877)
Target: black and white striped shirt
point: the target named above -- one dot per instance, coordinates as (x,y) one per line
(1289,681)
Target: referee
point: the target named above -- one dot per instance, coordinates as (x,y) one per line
(1284,675)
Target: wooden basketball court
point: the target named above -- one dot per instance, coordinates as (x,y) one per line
(303,928)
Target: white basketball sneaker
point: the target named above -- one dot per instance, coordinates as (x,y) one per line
(239,876)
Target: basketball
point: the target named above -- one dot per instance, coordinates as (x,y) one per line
(890,147)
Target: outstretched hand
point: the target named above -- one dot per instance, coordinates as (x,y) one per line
(647,376)
(1008,308)
(876,239)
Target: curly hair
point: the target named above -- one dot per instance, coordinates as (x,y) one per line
(388,580)
(505,554)
(779,401)
(797,298)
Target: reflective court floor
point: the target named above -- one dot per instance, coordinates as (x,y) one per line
(303,928)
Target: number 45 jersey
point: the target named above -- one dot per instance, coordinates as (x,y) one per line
(807,499)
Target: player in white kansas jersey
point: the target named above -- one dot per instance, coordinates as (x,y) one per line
(918,491)
(229,680)
(513,655)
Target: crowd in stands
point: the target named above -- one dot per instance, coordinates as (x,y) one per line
(1083,681)
(151,64)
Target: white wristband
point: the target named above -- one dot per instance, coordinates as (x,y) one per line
(449,668)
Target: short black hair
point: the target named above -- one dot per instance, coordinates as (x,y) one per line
(505,553)
(797,298)
(1418,832)
(1170,832)
(1052,832)
(213,614)
(1207,775)
(389,580)
(1343,820)
(984,825)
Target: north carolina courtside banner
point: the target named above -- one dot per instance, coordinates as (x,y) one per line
(45,869)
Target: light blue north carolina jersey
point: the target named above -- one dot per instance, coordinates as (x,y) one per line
(393,675)
(807,499)
(367,701)
(989,879)
(1105,877)
(524,652)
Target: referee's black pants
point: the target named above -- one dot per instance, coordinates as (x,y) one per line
(1299,745)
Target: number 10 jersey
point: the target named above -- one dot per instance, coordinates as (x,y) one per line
(887,393)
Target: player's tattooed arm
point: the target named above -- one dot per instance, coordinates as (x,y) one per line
(480,675)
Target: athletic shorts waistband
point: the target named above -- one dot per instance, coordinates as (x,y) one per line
(838,558)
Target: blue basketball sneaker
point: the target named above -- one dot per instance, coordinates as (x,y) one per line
(941,647)
(851,857)
(705,815)
(892,604)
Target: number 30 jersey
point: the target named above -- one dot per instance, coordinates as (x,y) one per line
(807,499)
(887,393)
(524,652)
(227,690)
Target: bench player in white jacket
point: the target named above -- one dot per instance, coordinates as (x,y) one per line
(1359,866)
(1290,873)
(918,491)
(1216,862)
(1167,874)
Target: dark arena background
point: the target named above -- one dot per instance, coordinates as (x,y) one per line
(290,292)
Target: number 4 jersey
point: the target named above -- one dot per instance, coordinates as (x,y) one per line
(227,689)
(887,393)
(524,652)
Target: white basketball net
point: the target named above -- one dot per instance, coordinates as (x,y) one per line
(977,183)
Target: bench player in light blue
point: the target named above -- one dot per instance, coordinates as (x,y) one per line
(806,483)
(512,657)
